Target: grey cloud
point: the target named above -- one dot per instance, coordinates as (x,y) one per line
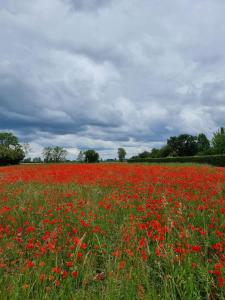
(88,4)
(130,74)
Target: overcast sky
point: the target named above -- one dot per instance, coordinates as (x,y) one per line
(104,74)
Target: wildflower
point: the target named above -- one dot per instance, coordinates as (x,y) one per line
(69,264)
(221,281)
(116,253)
(129,252)
(142,242)
(57,282)
(30,229)
(64,274)
(196,248)
(25,286)
(56,270)
(100,276)
(74,274)
(42,264)
(30,264)
(121,264)
(79,254)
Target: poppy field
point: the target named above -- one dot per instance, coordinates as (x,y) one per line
(112,231)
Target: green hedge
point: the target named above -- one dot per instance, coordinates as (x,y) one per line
(215,160)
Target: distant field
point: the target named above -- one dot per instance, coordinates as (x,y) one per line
(112,231)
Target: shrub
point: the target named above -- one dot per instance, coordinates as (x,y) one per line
(11,151)
(215,160)
(91,156)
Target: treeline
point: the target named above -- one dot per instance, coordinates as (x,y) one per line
(12,152)
(58,154)
(185,145)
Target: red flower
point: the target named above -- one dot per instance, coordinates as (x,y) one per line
(30,264)
(30,229)
(69,264)
(121,264)
(64,274)
(56,270)
(74,274)
(196,248)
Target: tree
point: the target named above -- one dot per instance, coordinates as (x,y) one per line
(183,145)
(165,151)
(47,154)
(144,154)
(26,148)
(91,156)
(27,160)
(58,154)
(121,154)
(203,143)
(155,153)
(218,141)
(54,154)
(11,152)
(8,140)
(37,160)
(81,156)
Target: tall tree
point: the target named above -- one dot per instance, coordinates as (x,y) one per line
(58,154)
(165,151)
(37,160)
(183,145)
(81,156)
(8,140)
(218,141)
(11,152)
(47,154)
(144,154)
(54,154)
(26,148)
(91,156)
(121,154)
(203,143)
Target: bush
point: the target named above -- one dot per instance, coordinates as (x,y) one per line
(215,160)
(11,151)
(91,156)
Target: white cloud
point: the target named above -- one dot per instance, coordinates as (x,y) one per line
(104,74)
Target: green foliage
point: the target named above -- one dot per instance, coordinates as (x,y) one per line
(215,160)
(54,154)
(91,156)
(37,160)
(144,154)
(218,142)
(165,151)
(155,153)
(183,145)
(27,160)
(11,151)
(203,143)
(8,140)
(121,154)
(81,156)
(186,145)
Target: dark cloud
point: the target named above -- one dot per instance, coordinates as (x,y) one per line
(88,4)
(103,74)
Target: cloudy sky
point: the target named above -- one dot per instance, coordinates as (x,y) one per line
(105,74)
